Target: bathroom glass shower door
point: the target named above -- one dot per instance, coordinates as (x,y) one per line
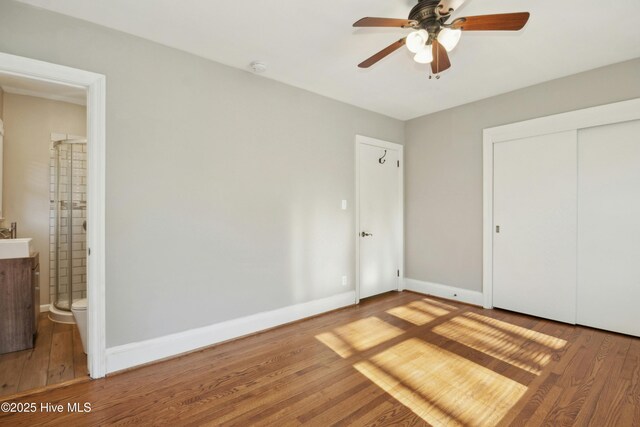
(69,200)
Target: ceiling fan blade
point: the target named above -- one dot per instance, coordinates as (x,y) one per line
(384,52)
(385,22)
(499,22)
(440,58)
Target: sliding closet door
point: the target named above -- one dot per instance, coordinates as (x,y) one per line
(534,245)
(609,227)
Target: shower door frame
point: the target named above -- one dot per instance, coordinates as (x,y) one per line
(95,86)
(58,139)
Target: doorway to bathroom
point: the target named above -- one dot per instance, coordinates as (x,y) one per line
(91,210)
(43,187)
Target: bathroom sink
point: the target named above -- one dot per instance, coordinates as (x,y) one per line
(15,248)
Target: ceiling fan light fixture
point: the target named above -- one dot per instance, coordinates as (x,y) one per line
(424,55)
(428,19)
(417,40)
(449,38)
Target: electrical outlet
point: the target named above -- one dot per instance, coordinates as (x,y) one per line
(345,281)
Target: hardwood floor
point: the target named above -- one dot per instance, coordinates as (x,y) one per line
(396,359)
(57,357)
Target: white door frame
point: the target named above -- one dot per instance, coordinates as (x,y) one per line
(365,140)
(574,120)
(95,85)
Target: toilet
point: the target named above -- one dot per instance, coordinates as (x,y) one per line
(79,310)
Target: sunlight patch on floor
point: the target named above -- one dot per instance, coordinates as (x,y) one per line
(359,336)
(518,346)
(421,312)
(442,387)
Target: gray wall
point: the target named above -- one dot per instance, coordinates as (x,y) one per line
(443,168)
(223,188)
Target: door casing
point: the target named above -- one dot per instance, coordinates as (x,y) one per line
(95,86)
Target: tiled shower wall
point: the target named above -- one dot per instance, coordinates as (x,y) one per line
(73,179)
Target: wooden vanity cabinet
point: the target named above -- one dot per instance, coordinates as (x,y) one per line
(19,302)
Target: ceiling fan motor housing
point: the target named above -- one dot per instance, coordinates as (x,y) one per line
(425,12)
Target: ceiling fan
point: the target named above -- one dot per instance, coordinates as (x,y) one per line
(433,37)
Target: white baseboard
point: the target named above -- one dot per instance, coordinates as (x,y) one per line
(444,291)
(44,308)
(137,353)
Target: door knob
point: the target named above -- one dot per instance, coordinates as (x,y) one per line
(365,234)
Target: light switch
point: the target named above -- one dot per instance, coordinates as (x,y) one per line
(344,205)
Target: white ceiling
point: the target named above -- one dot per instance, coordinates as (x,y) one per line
(312,45)
(42,89)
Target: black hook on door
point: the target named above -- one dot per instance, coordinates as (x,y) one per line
(382,159)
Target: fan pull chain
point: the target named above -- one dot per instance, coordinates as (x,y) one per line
(435,59)
(438,63)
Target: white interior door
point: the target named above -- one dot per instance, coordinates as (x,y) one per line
(534,249)
(380,218)
(609,227)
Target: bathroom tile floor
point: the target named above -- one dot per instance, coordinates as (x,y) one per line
(57,357)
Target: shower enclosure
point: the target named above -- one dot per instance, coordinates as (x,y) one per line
(68,259)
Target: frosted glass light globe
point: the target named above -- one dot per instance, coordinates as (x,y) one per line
(449,38)
(424,55)
(417,40)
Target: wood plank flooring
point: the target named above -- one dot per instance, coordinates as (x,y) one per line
(57,357)
(396,359)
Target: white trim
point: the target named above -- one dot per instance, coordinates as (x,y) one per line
(96,236)
(361,139)
(617,112)
(444,291)
(401,202)
(95,85)
(137,353)
(487,215)
(574,120)
(44,308)
(357,227)
(44,95)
